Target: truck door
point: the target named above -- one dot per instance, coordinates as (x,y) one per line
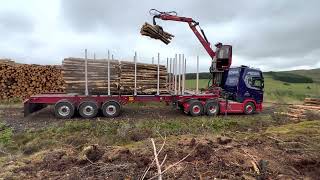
(254,83)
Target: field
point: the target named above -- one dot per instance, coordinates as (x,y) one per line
(267,145)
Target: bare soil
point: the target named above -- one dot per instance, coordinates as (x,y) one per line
(206,158)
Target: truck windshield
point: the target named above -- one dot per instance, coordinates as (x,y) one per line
(254,80)
(233,77)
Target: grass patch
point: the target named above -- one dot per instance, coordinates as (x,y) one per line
(5,134)
(124,132)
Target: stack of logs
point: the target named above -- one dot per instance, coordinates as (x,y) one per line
(156,32)
(23,80)
(147,78)
(73,72)
(311,106)
(121,77)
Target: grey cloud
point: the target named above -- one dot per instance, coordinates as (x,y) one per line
(12,22)
(278,34)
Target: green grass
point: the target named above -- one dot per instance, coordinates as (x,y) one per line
(5,134)
(276,90)
(124,132)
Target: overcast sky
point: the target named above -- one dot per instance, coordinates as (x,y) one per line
(266,34)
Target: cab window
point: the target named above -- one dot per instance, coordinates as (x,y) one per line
(254,80)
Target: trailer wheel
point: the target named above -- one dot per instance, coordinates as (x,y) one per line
(111,109)
(88,109)
(249,108)
(196,108)
(64,110)
(212,108)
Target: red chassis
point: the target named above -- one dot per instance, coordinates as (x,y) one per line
(190,104)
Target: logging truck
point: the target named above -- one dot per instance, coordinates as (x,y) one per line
(230,90)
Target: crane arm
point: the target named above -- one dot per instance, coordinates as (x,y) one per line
(192,24)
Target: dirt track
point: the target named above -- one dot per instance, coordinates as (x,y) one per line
(14,116)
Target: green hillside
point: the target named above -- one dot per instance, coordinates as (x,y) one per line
(312,73)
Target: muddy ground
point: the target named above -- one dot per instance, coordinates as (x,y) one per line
(240,155)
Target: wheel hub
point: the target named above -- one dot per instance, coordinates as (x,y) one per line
(196,109)
(212,109)
(64,110)
(249,109)
(88,110)
(111,110)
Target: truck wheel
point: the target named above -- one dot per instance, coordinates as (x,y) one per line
(249,108)
(196,108)
(212,108)
(111,109)
(64,110)
(88,109)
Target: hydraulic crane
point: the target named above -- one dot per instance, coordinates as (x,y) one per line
(221,57)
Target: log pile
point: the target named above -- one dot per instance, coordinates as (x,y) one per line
(23,80)
(156,32)
(146,78)
(312,101)
(311,107)
(73,72)
(121,77)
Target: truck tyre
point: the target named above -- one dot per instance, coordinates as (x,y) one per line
(88,109)
(64,109)
(212,108)
(249,108)
(111,109)
(196,108)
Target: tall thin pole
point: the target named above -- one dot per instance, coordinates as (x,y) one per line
(109,93)
(184,76)
(135,73)
(108,54)
(158,82)
(197,88)
(167,79)
(179,75)
(175,74)
(152,60)
(94,56)
(170,72)
(86,72)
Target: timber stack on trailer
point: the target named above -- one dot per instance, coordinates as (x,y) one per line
(23,80)
(147,78)
(73,71)
(121,77)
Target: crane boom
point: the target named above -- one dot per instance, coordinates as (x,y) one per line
(221,58)
(193,25)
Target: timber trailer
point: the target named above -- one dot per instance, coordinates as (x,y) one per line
(232,90)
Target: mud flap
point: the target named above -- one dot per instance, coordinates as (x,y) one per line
(30,108)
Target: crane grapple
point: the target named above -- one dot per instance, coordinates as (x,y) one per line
(156,32)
